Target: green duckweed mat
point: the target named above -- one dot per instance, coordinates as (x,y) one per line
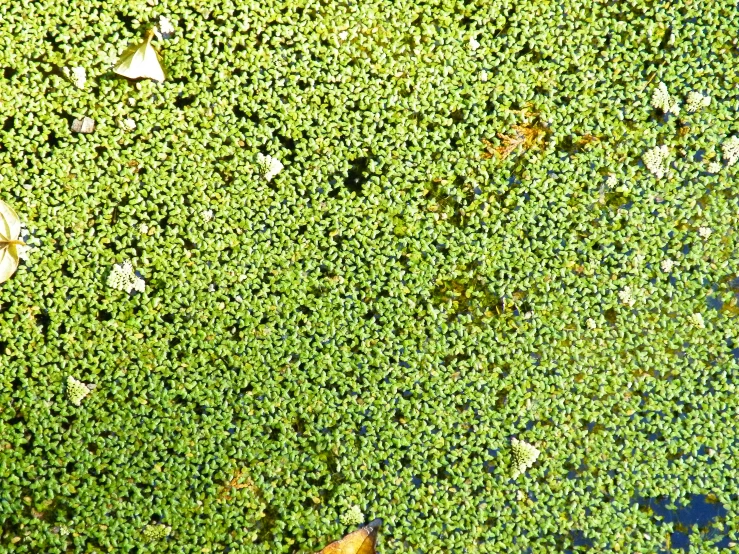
(496,220)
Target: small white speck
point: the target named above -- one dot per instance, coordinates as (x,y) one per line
(474,45)
(704,232)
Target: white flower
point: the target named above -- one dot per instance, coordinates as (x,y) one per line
(165,26)
(122,277)
(591,323)
(343,35)
(730,150)
(714,167)
(626,296)
(697,320)
(207,215)
(129,124)
(524,456)
(656,160)
(268,166)
(696,101)
(473,44)
(662,101)
(611,181)
(704,232)
(667,264)
(143,228)
(483,76)
(353,516)
(76,390)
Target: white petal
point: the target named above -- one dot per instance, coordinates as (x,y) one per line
(8,262)
(10,225)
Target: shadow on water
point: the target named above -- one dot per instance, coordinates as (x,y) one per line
(703,514)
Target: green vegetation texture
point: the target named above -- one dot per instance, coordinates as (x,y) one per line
(372,325)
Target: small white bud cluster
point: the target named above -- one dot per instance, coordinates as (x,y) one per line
(268,166)
(524,456)
(697,320)
(122,277)
(76,390)
(656,160)
(730,150)
(627,297)
(696,101)
(662,101)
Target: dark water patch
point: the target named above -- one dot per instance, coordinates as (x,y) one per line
(702,513)
(714,303)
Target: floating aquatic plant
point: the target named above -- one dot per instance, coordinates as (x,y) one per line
(524,456)
(353,516)
(76,390)
(123,277)
(369,325)
(662,100)
(657,160)
(268,166)
(156,531)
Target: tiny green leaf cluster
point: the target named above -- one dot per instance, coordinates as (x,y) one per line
(352,516)
(156,531)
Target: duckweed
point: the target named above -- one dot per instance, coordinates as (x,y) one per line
(439,266)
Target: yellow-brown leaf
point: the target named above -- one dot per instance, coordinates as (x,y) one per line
(361,541)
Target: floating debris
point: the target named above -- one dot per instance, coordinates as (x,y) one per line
(84,125)
(11,247)
(141,61)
